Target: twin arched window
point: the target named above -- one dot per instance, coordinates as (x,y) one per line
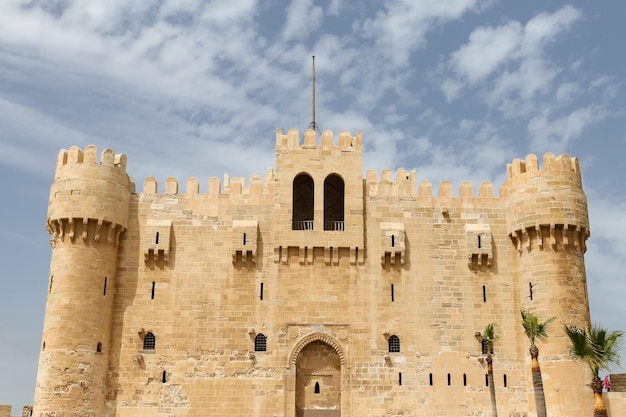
(303,206)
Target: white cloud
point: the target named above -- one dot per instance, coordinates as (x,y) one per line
(303,18)
(402,27)
(557,133)
(486,50)
(509,61)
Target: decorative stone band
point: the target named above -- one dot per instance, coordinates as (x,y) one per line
(550,236)
(307,255)
(96,230)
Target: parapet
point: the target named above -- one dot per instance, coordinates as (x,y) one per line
(518,170)
(404,187)
(75,155)
(89,198)
(235,186)
(345,142)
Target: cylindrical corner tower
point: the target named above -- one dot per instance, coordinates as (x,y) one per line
(548,224)
(87,212)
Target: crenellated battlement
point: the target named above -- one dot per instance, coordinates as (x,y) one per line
(518,170)
(404,186)
(75,155)
(231,186)
(345,142)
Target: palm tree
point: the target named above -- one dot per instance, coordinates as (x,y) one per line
(489,338)
(599,348)
(536,329)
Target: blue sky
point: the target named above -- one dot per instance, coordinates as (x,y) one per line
(453,88)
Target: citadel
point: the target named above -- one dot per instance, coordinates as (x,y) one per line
(311,292)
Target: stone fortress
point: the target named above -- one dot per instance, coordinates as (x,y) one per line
(313,292)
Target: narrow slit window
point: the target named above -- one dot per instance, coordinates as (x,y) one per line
(479,242)
(156,239)
(430,379)
(104,291)
(394,343)
(530,289)
(486,380)
(152,291)
(99,347)
(504,380)
(392,293)
(449,379)
(464,380)
(261,292)
(149,341)
(164,377)
(399,378)
(317,387)
(51,280)
(484,294)
(260,343)
(393,241)
(244,239)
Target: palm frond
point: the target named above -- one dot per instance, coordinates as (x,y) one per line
(534,328)
(490,335)
(596,346)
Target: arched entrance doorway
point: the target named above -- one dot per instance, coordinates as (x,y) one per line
(318,383)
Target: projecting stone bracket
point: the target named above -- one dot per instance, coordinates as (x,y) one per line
(479,245)
(156,242)
(392,243)
(245,237)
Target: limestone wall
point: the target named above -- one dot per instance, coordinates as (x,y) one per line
(395,295)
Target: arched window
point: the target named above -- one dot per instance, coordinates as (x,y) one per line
(260,343)
(99,347)
(334,192)
(485,347)
(303,200)
(317,388)
(394,343)
(149,341)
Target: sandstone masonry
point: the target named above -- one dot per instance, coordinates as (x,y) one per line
(313,292)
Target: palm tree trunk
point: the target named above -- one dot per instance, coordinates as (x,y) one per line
(598,401)
(540,399)
(492,387)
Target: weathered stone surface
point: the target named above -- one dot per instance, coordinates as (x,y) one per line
(370,297)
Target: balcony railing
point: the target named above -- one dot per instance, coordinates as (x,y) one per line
(334,225)
(302,225)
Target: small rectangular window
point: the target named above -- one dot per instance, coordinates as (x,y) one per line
(464,380)
(164,377)
(156,240)
(430,379)
(478,241)
(399,378)
(393,241)
(504,380)
(449,379)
